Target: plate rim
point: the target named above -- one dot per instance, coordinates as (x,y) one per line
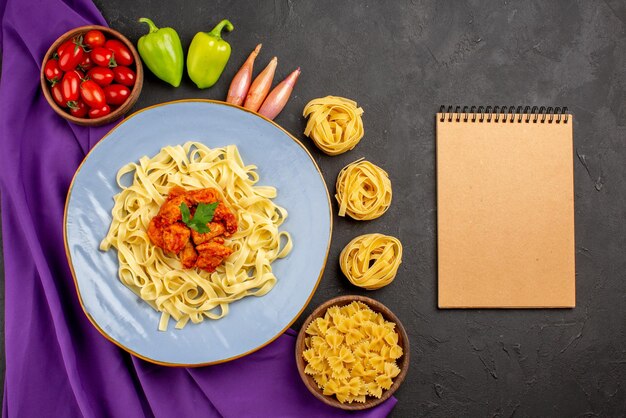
(71,265)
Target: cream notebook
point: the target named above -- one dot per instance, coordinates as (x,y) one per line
(505,208)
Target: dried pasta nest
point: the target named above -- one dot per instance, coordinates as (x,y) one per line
(335,124)
(363,191)
(351,352)
(371,261)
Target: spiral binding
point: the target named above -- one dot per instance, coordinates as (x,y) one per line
(504,114)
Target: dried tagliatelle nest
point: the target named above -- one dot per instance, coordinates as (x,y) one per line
(351,352)
(363,191)
(335,124)
(371,261)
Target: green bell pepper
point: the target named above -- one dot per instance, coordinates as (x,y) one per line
(208,55)
(162,53)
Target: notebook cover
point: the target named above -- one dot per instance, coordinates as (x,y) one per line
(505,203)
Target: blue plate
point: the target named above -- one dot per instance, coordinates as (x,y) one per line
(252,322)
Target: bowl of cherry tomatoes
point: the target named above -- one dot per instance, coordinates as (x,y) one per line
(92,75)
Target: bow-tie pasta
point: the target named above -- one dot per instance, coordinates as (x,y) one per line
(351,352)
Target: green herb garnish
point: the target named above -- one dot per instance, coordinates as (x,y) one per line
(202,216)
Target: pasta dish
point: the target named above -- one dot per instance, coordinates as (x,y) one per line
(198,277)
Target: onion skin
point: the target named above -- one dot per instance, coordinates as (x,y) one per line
(241,81)
(261,86)
(277,99)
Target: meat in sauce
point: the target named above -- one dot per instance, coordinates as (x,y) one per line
(204,251)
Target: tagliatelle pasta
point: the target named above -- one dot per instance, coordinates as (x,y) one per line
(371,261)
(363,191)
(335,124)
(159,278)
(351,352)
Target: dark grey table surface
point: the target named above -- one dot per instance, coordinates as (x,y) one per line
(400,61)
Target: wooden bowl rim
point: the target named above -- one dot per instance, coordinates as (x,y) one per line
(117,113)
(389,316)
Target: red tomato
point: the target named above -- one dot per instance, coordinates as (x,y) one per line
(70,86)
(103,57)
(86,63)
(120,52)
(57,95)
(63,46)
(79,109)
(101,75)
(97,113)
(116,94)
(71,54)
(52,71)
(124,75)
(94,39)
(92,94)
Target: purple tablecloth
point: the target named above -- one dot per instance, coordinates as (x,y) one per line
(58,365)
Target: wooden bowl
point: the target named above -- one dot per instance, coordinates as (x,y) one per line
(403,362)
(117,113)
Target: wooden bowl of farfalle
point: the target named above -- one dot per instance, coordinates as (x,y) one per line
(352,353)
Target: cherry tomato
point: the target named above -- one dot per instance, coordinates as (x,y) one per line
(86,63)
(63,46)
(124,75)
(116,94)
(94,39)
(103,57)
(79,109)
(120,52)
(101,75)
(92,94)
(70,86)
(97,113)
(71,54)
(57,94)
(52,71)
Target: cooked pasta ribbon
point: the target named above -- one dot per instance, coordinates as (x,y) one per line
(363,191)
(351,352)
(371,261)
(335,124)
(159,278)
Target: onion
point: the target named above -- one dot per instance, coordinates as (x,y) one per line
(277,99)
(261,86)
(241,81)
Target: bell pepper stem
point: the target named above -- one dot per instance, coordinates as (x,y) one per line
(217,30)
(153,27)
